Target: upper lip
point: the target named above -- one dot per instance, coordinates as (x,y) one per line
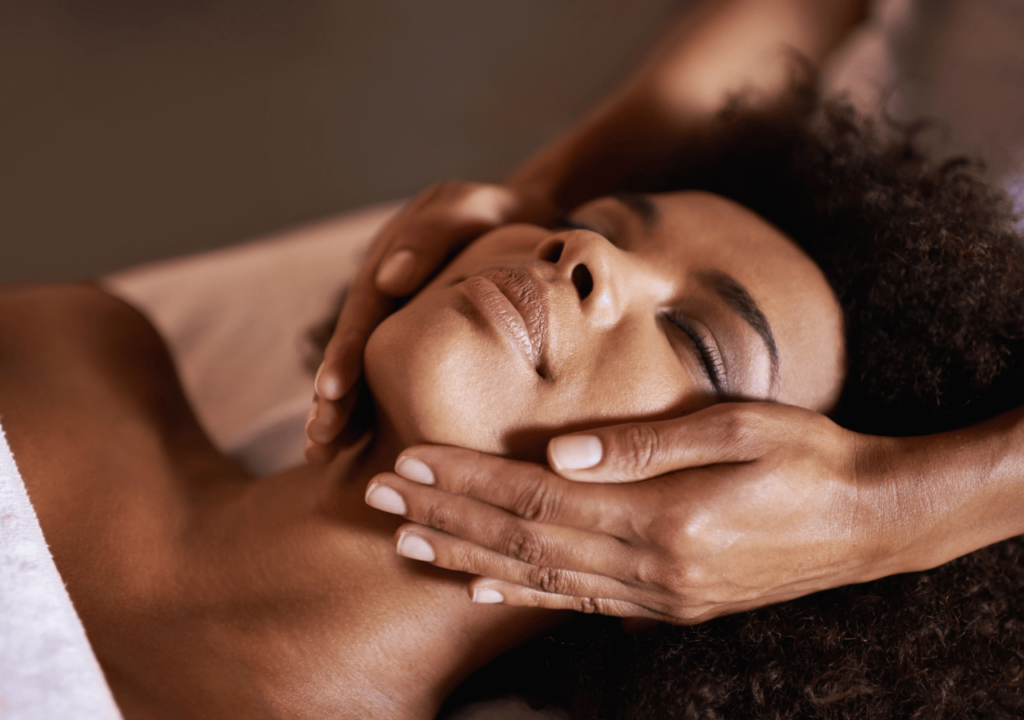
(529,296)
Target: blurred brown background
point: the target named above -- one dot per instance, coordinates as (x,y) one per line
(138,129)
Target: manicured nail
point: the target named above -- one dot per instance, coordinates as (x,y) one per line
(487,596)
(396,268)
(384,498)
(311,418)
(576,452)
(327,385)
(415,470)
(415,548)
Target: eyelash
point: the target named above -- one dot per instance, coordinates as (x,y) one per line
(708,353)
(566,222)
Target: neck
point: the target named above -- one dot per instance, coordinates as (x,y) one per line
(308,610)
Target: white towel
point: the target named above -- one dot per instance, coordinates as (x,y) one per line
(47,667)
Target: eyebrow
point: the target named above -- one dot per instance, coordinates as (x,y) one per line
(736,296)
(722,284)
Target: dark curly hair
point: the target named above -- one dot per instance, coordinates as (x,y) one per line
(929,273)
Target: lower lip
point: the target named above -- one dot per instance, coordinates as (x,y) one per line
(500,314)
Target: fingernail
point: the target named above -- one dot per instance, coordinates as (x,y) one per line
(327,385)
(415,548)
(487,596)
(576,452)
(397,268)
(313,412)
(415,470)
(384,498)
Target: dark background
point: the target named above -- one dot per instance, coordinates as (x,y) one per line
(137,129)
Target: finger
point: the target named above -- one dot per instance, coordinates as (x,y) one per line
(330,426)
(323,421)
(428,545)
(443,220)
(364,309)
(491,591)
(531,545)
(406,251)
(726,433)
(527,490)
(328,418)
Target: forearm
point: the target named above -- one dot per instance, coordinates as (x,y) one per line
(950,494)
(712,51)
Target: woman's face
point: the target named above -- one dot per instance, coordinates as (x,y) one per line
(648,307)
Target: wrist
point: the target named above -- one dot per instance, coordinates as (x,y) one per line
(944,496)
(886,524)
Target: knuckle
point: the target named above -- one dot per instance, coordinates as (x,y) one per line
(742,427)
(587,605)
(439,517)
(465,558)
(647,572)
(538,502)
(685,579)
(550,580)
(640,447)
(524,546)
(677,533)
(685,584)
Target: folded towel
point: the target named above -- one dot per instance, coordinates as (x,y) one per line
(47,668)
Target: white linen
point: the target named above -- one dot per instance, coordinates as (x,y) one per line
(47,667)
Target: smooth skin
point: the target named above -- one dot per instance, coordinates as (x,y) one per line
(205,592)
(909,504)
(209,593)
(619,305)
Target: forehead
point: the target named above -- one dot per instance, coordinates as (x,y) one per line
(698,232)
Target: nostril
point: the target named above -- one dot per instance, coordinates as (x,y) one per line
(554,252)
(583,281)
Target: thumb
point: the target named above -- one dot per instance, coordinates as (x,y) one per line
(637,451)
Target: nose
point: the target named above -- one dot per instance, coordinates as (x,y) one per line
(589,263)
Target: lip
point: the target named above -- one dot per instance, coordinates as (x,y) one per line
(516,304)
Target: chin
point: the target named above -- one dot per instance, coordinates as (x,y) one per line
(433,381)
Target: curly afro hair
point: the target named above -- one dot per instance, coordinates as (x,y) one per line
(923,258)
(929,273)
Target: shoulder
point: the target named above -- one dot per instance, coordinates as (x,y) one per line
(36,317)
(89,397)
(75,354)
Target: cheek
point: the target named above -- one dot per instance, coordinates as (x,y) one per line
(622,379)
(438,379)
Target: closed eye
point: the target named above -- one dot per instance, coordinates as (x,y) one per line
(707,353)
(567,222)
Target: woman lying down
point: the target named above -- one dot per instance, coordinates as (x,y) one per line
(796,260)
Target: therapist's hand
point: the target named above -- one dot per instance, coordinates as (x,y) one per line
(407,251)
(740,505)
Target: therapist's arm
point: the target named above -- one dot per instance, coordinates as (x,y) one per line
(714,49)
(735,507)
